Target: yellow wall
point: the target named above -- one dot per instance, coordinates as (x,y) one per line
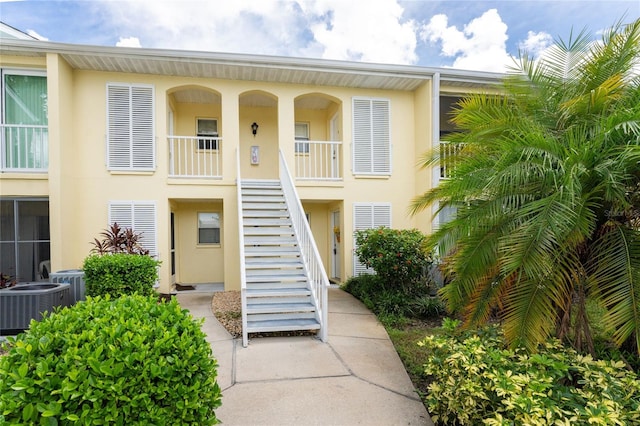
(197,263)
(80,186)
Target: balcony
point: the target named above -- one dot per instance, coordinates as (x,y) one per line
(195,157)
(24,148)
(318,160)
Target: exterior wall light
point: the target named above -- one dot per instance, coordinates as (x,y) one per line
(254,128)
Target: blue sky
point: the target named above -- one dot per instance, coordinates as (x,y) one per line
(478,35)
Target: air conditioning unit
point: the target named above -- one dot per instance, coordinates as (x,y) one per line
(24,302)
(74,277)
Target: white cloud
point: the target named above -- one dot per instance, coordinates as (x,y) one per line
(129,42)
(481,45)
(536,43)
(374,31)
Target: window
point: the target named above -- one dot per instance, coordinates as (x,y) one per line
(24,121)
(368,216)
(130,127)
(208,228)
(24,239)
(208,129)
(302,134)
(139,216)
(371,136)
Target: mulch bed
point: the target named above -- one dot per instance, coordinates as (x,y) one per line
(227,308)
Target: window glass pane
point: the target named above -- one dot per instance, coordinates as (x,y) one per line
(25,99)
(8,258)
(207,127)
(25,106)
(208,228)
(33,258)
(302,131)
(33,220)
(27,255)
(7,224)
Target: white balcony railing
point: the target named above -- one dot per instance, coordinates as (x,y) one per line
(24,148)
(195,157)
(318,160)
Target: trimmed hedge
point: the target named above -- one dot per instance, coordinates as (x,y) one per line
(120,274)
(124,361)
(476,380)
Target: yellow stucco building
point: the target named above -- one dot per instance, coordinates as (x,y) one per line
(158,139)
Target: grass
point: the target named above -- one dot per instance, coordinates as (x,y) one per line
(405,338)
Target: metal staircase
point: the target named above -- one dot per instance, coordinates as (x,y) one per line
(278,295)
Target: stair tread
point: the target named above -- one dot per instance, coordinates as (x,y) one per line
(282,325)
(255,294)
(267,221)
(267,308)
(273,263)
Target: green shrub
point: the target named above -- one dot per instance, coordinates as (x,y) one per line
(398,257)
(475,380)
(123,361)
(426,307)
(120,274)
(392,306)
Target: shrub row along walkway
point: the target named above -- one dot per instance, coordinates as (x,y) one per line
(355,378)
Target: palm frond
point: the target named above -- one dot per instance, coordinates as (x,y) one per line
(614,270)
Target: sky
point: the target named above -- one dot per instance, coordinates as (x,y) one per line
(463,34)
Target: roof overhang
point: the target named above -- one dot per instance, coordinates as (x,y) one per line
(245,67)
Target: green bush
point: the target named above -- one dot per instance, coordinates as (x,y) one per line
(475,380)
(398,256)
(393,306)
(120,274)
(123,361)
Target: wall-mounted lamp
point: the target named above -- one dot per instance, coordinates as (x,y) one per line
(254,128)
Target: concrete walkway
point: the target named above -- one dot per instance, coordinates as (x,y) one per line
(356,378)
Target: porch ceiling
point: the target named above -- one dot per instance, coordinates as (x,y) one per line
(196,64)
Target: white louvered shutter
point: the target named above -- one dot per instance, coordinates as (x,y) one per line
(367,216)
(130,127)
(371,136)
(380,138)
(139,216)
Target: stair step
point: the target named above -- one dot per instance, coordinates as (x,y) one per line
(280,279)
(267,230)
(252,183)
(263,206)
(279,308)
(273,263)
(268,286)
(267,221)
(268,240)
(273,251)
(265,213)
(262,199)
(280,291)
(275,272)
(267,325)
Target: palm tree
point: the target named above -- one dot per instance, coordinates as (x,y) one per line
(546,187)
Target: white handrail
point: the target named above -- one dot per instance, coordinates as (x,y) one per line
(311,257)
(243,273)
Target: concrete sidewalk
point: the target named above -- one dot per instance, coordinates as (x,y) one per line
(355,378)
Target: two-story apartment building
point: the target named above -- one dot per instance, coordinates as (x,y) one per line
(161,140)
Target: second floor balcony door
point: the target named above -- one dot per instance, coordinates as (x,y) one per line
(24,121)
